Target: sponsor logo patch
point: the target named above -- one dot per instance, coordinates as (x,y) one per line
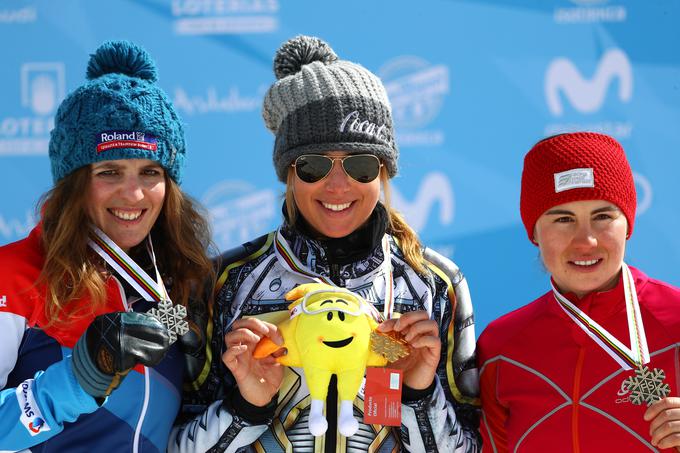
(574,179)
(353,122)
(31,417)
(125,139)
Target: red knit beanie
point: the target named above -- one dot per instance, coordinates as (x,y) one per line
(573,167)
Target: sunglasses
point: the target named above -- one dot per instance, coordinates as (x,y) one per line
(362,168)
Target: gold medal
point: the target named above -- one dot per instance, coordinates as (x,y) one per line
(389,345)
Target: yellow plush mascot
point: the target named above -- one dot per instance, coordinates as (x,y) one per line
(328,333)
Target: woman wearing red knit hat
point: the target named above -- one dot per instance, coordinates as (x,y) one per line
(592,365)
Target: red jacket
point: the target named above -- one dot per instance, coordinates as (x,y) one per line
(547,386)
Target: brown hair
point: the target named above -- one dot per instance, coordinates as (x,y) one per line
(405,235)
(72,271)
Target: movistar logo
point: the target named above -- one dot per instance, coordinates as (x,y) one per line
(435,192)
(584,94)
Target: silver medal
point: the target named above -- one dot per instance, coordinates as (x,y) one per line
(645,386)
(173,318)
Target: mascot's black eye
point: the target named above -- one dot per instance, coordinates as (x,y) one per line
(329,316)
(341,315)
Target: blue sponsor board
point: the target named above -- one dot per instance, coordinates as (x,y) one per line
(473,86)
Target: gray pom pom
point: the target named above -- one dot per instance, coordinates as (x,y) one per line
(122,57)
(300,51)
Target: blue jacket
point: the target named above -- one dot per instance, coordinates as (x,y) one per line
(42,406)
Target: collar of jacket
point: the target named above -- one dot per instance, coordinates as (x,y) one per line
(360,245)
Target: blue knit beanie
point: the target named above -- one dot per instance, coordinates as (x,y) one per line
(119,114)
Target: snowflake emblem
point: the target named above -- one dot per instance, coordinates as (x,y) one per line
(173,318)
(389,346)
(646,386)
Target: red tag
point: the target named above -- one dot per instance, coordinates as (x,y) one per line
(382,397)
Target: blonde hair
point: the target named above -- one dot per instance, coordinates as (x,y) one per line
(396,224)
(72,271)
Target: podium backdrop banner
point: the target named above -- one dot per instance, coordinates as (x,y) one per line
(473,84)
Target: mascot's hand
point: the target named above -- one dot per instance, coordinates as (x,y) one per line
(112,345)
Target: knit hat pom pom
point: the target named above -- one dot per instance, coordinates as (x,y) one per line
(121,57)
(299,51)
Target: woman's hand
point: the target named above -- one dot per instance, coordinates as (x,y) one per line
(258,379)
(422,335)
(665,422)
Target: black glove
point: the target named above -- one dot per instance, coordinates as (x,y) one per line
(112,345)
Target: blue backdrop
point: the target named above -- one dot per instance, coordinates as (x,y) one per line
(473,86)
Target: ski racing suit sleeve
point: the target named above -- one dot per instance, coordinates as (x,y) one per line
(215,418)
(447,419)
(37,409)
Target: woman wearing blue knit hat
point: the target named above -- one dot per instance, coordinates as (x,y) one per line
(94,298)
(335,150)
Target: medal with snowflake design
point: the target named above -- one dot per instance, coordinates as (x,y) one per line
(389,346)
(173,318)
(646,386)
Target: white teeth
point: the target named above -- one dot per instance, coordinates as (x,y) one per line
(336,207)
(586,262)
(126,215)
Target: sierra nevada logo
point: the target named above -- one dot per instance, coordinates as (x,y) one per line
(417,90)
(239,211)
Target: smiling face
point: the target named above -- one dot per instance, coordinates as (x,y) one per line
(333,330)
(337,205)
(582,244)
(125,198)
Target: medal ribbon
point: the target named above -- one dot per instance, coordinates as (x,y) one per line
(292,264)
(126,267)
(628,358)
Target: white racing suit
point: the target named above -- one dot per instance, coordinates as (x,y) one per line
(252,282)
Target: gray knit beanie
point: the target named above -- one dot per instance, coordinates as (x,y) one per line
(320,104)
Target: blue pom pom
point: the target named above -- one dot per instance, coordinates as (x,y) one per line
(122,57)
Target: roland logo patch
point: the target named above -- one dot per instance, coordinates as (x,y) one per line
(125,139)
(574,179)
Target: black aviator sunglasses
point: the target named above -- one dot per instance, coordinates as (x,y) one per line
(362,168)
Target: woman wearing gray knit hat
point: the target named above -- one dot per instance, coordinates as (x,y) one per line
(335,151)
(87,325)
